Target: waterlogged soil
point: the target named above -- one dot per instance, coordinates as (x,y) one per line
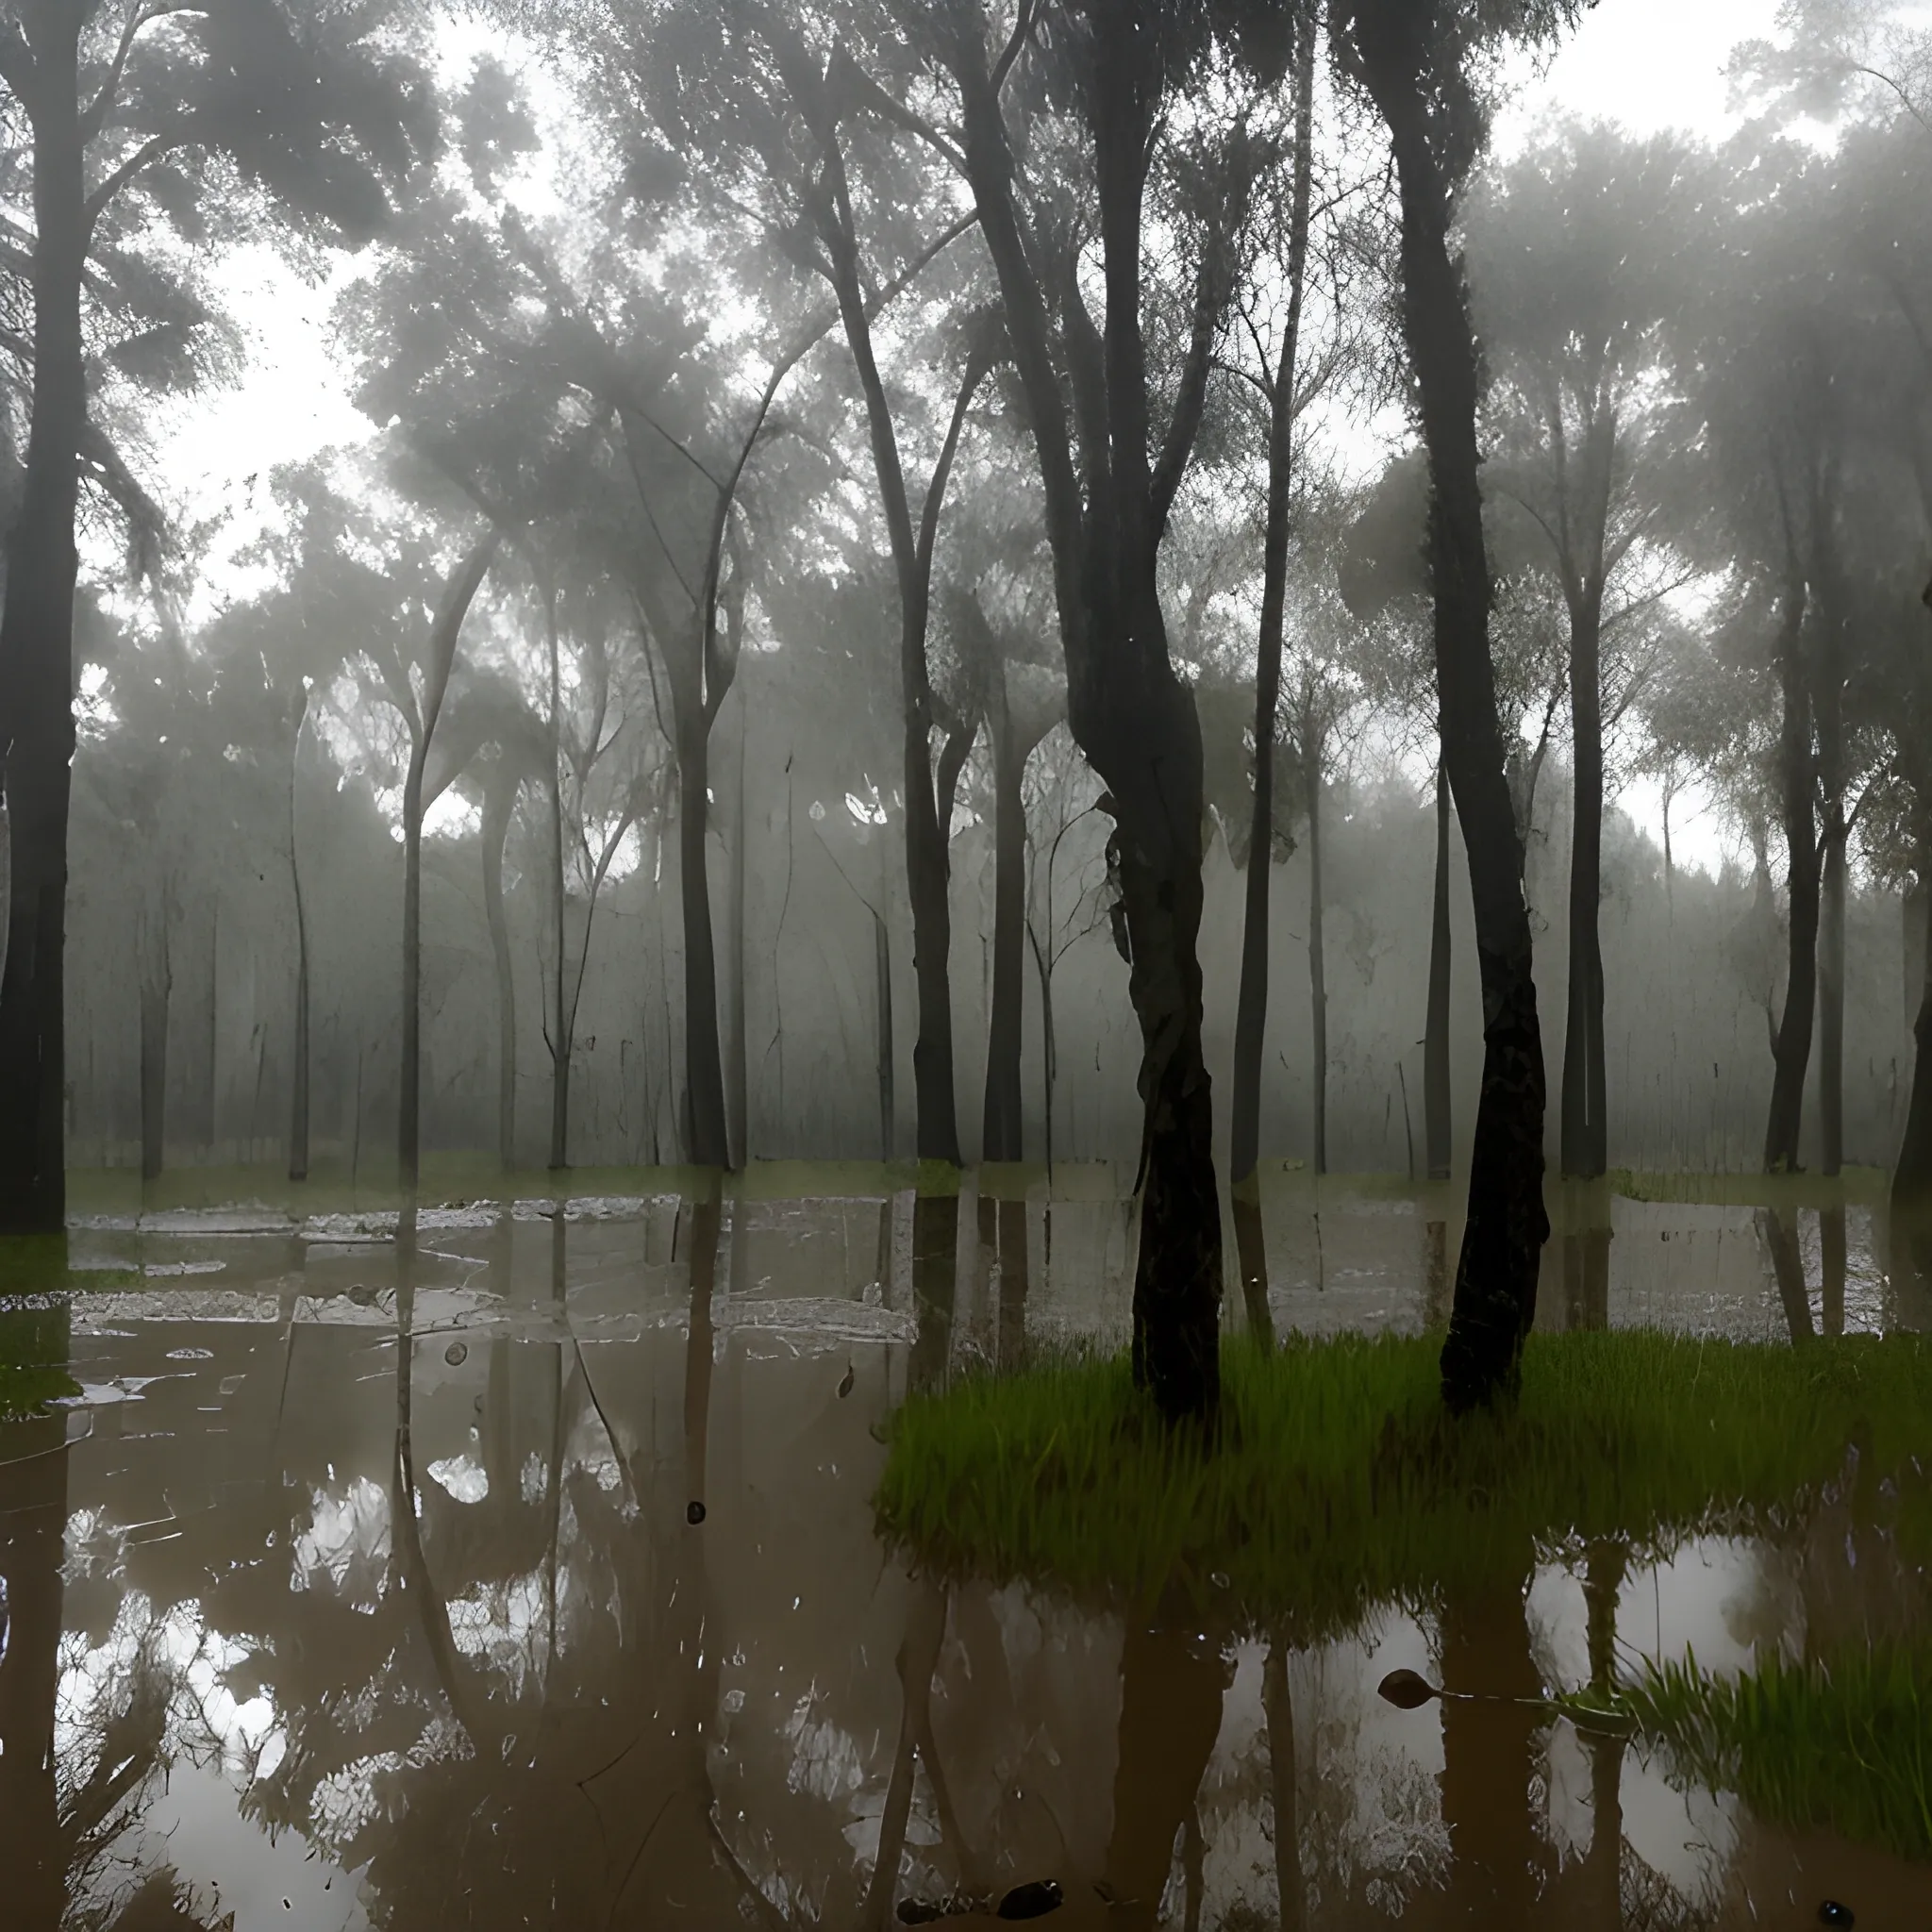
(528,1577)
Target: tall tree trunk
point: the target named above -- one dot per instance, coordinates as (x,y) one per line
(1831,997)
(1797,778)
(1437,1119)
(737,1080)
(499,807)
(1318,973)
(1912,1179)
(1585,1152)
(1127,708)
(36,651)
(1507,1227)
(458,593)
(298,1093)
(1000,1137)
(561,1016)
(928,866)
(882,1000)
(1251,1002)
(156,981)
(210,1121)
(703,1060)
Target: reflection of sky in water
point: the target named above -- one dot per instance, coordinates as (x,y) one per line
(280,1388)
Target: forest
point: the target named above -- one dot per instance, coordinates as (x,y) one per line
(1023,601)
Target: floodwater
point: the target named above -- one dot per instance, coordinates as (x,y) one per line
(528,1577)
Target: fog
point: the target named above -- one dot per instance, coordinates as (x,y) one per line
(924,585)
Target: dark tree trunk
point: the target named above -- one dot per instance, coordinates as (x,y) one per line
(703,1060)
(210,1121)
(1831,998)
(882,999)
(499,807)
(1251,1002)
(1318,972)
(1507,1227)
(1912,1179)
(1437,1118)
(1000,1137)
(1777,1227)
(37,653)
(458,596)
(1585,1153)
(1834,1259)
(1128,709)
(156,981)
(927,865)
(1797,778)
(561,1012)
(737,1080)
(298,1086)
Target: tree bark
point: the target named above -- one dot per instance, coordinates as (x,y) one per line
(1251,1002)
(298,1096)
(928,866)
(1001,1135)
(1318,974)
(1585,1147)
(563,1014)
(37,650)
(1128,709)
(737,1080)
(882,999)
(458,595)
(1437,1118)
(1797,778)
(703,1062)
(499,807)
(156,981)
(1912,1178)
(1831,998)
(1507,1224)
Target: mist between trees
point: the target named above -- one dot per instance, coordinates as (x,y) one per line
(1069,583)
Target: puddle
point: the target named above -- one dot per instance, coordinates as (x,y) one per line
(353,1600)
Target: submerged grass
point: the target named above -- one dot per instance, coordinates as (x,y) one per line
(1339,1483)
(1844,1743)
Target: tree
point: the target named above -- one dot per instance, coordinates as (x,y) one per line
(1093,87)
(1569,252)
(1284,389)
(1413,60)
(318,120)
(792,127)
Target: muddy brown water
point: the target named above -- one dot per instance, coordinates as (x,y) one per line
(361,1593)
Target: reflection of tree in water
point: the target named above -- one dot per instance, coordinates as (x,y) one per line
(128,1710)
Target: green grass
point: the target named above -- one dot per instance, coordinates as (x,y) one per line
(1340,1484)
(1844,1744)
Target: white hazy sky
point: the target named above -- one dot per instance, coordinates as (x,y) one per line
(1648,64)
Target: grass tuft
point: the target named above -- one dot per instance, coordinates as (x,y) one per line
(1339,1483)
(1844,1743)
